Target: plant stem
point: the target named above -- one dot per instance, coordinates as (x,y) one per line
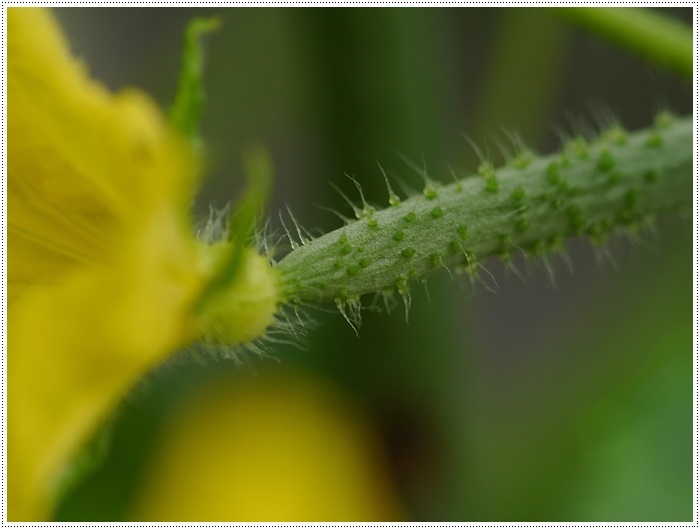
(651,35)
(533,204)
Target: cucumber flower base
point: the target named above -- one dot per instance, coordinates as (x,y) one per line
(104,276)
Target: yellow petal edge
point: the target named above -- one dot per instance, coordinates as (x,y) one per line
(103,271)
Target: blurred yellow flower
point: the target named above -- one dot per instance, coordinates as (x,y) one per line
(279,447)
(103,272)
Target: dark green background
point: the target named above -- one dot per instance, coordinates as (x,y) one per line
(564,402)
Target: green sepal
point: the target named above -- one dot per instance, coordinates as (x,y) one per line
(186,111)
(258,167)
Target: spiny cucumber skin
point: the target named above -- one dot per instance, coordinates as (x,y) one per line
(618,181)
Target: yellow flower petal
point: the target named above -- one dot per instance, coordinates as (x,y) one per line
(75,349)
(102,268)
(82,162)
(103,271)
(279,448)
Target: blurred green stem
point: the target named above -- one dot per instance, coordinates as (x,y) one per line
(650,35)
(528,55)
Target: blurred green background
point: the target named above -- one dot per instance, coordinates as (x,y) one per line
(564,400)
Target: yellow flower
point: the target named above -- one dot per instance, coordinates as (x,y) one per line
(103,274)
(283,447)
